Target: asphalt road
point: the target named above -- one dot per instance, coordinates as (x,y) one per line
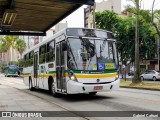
(122,100)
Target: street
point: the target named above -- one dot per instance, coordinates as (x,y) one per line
(40,100)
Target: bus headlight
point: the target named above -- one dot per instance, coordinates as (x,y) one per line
(116,78)
(72,77)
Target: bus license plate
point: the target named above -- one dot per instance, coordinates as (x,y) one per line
(98,87)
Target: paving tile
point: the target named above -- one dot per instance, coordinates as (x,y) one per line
(17,108)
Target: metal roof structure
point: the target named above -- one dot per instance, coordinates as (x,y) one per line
(35,17)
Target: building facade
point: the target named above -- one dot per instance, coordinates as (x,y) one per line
(113,5)
(33,40)
(11,55)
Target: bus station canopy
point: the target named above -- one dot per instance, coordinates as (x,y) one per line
(35,17)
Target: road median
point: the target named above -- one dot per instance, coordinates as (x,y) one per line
(143,85)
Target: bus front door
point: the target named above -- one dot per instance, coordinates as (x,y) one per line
(35,68)
(60,68)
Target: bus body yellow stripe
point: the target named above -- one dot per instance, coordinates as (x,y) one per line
(78,75)
(95,75)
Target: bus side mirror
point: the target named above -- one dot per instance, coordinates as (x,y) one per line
(64,46)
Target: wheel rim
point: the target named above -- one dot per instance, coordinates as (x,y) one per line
(53,88)
(30,85)
(142,78)
(154,78)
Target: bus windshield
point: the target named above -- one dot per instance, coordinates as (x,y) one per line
(90,54)
(12,67)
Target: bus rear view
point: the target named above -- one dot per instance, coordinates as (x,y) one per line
(12,70)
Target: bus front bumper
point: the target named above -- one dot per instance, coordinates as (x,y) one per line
(75,87)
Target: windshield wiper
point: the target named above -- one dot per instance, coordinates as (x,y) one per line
(72,54)
(103,45)
(90,47)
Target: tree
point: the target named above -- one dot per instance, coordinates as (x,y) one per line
(20,46)
(106,20)
(136,78)
(125,39)
(2,48)
(124,28)
(147,17)
(7,42)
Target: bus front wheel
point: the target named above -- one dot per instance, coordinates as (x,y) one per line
(31,88)
(52,89)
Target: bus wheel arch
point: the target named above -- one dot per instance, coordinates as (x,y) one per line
(51,86)
(31,88)
(92,93)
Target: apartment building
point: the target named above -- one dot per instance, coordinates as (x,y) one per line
(113,5)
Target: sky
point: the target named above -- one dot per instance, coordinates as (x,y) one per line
(76,19)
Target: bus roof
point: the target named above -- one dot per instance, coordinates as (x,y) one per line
(64,31)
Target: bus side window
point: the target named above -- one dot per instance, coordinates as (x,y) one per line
(42,54)
(27,60)
(21,62)
(30,61)
(24,60)
(50,55)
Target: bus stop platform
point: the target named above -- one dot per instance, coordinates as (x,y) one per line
(13,100)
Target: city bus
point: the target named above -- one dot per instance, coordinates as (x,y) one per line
(73,61)
(11,70)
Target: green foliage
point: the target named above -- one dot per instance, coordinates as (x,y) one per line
(20,46)
(13,63)
(106,20)
(148,45)
(12,41)
(21,63)
(147,16)
(8,41)
(125,36)
(124,28)
(2,67)
(3,48)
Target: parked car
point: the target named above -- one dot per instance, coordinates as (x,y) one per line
(151,75)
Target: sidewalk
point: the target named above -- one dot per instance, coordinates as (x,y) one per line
(12,99)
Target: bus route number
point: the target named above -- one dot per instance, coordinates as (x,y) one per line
(109,65)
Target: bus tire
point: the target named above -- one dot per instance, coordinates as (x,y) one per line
(92,93)
(52,89)
(31,88)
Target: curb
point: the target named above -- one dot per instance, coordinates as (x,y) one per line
(140,88)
